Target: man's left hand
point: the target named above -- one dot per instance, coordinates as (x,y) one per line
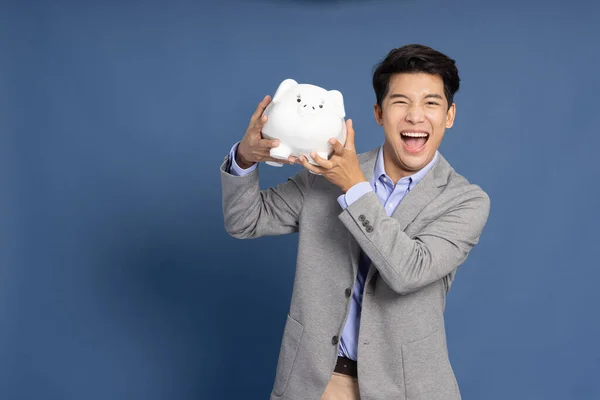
(342,168)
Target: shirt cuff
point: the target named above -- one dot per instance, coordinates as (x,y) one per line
(234,168)
(354,193)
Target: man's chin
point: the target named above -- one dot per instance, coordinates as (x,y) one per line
(414,162)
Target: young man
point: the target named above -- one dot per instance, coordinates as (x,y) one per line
(381,235)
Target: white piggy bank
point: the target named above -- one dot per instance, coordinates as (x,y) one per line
(304,117)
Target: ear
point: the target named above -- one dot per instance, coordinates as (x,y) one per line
(378,113)
(284,87)
(336,101)
(450,116)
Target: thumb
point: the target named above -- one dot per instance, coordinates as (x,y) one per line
(349,136)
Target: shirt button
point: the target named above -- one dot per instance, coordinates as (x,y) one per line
(334,340)
(348,292)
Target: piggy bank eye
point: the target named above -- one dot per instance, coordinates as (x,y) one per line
(298,100)
(320,105)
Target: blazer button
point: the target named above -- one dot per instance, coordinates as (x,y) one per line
(334,340)
(365,223)
(369,229)
(361,218)
(348,292)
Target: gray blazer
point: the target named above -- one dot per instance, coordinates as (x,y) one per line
(402,351)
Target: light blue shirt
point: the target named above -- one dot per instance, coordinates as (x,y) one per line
(390,196)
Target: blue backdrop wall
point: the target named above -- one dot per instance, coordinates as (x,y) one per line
(117,279)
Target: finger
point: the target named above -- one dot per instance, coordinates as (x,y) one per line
(261,153)
(278,160)
(258,124)
(269,158)
(323,163)
(265,155)
(267,144)
(349,136)
(260,109)
(304,161)
(338,149)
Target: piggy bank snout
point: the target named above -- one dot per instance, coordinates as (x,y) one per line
(310,107)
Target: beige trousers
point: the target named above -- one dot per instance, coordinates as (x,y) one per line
(341,387)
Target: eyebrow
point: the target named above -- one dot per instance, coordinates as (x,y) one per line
(397,95)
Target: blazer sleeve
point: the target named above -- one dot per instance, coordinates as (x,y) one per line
(250,212)
(410,263)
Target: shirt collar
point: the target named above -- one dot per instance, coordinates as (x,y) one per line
(413,179)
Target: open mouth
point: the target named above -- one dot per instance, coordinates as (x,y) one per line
(414,141)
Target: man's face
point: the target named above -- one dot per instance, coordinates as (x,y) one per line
(414,115)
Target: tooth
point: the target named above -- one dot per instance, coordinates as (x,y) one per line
(415,134)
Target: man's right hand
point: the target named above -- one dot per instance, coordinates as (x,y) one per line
(253,148)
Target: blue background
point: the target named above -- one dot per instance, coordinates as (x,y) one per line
(117,279)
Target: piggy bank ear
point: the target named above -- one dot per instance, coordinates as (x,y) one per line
(336,101)
(283,88)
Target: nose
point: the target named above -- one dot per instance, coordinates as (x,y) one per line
(311,106)
(415,114)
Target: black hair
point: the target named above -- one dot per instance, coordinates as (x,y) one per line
(415,58)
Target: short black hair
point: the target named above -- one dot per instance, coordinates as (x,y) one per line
(414,58)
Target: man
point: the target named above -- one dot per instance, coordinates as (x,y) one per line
(381,235)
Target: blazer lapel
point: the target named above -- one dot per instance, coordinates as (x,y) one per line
(420,195)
